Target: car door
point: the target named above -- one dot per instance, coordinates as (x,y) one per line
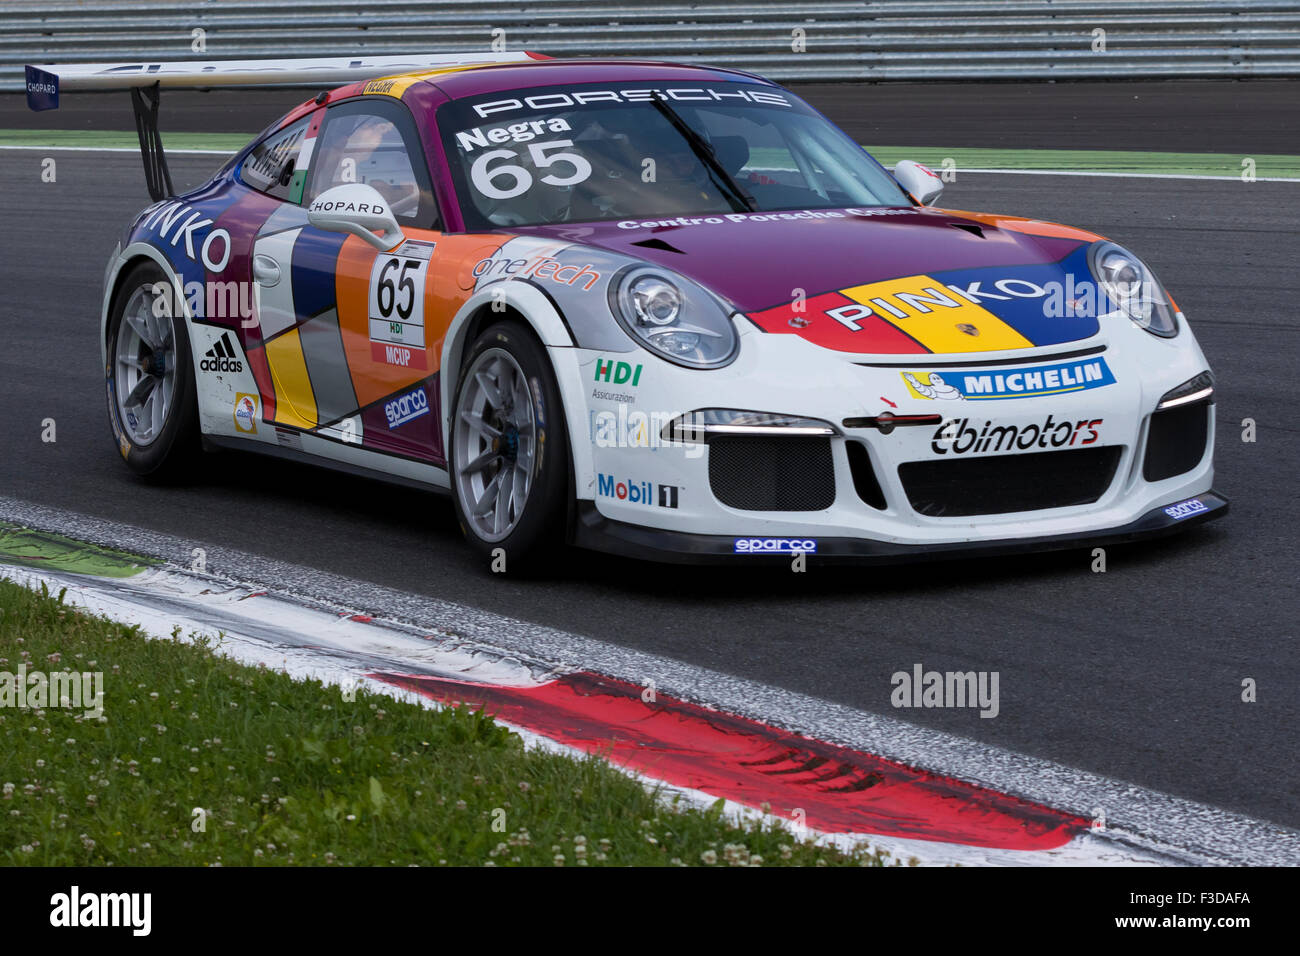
(346,334)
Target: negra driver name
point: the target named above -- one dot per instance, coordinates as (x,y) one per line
(959,436)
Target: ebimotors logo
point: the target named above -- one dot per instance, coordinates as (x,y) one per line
(959,436)
(636,492)
(1031,382)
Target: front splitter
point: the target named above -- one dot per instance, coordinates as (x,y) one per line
(594,530)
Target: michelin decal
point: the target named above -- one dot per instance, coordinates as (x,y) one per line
(1031,382)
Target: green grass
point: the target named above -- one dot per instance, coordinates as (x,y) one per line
(1093,160)
(43,550)
(290,772)
(1119,162)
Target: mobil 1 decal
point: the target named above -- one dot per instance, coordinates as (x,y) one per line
(396,305)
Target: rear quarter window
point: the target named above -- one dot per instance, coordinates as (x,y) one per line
(270,165)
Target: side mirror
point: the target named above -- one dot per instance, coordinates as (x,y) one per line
(921,181)
(358,209)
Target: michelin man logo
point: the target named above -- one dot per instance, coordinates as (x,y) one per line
(935,388)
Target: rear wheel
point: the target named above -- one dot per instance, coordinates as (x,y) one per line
(150,377)
(509,456)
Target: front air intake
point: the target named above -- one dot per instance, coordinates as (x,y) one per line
(772,474)
(998,484)
(1176,440)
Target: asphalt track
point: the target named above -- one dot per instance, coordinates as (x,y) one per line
(1135,674)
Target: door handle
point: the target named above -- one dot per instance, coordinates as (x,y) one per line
(265,270)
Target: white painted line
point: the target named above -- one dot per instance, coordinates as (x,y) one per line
(1013,172)
(1068,172)
(128,149)
(1139,821)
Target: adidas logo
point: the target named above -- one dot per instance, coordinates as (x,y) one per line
(221,357)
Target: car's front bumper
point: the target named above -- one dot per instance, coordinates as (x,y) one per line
(593,530)
(679,501)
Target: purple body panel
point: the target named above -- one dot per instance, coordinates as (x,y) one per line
(757,262)
(523,76)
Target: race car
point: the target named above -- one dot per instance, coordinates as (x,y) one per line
(660,310)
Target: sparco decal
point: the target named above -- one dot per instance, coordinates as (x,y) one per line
(694,94)
(775,546)
(1185,509)
(406,407)
(960,436)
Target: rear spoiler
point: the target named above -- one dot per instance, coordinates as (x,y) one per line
(146,81)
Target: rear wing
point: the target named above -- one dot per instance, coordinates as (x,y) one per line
(145,81)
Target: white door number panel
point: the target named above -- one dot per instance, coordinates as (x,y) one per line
(396,307)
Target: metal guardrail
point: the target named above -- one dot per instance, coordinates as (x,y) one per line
(863,40)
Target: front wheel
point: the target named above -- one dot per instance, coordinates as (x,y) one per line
(509,456)
(150,378)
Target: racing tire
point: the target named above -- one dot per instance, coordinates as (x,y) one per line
(149,378)
(509,452)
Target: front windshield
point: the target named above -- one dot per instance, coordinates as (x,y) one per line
(592,152)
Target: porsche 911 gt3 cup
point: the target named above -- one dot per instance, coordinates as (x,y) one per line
(654,309)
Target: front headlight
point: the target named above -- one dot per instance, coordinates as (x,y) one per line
(673,318)
(1199,388)
(704,424)
(1132,288)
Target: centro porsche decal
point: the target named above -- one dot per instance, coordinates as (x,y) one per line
(1029,382)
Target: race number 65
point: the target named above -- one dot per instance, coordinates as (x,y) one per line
(404,285)
(518,178)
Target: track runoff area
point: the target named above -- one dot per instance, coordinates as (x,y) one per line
(829,771)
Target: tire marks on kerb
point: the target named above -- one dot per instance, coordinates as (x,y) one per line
(1140,822)
(822,786)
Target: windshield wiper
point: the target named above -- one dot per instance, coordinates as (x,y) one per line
(740,200)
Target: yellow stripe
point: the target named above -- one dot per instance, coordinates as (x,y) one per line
(295,401)
(397,85)
(935,323)
(392,85)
